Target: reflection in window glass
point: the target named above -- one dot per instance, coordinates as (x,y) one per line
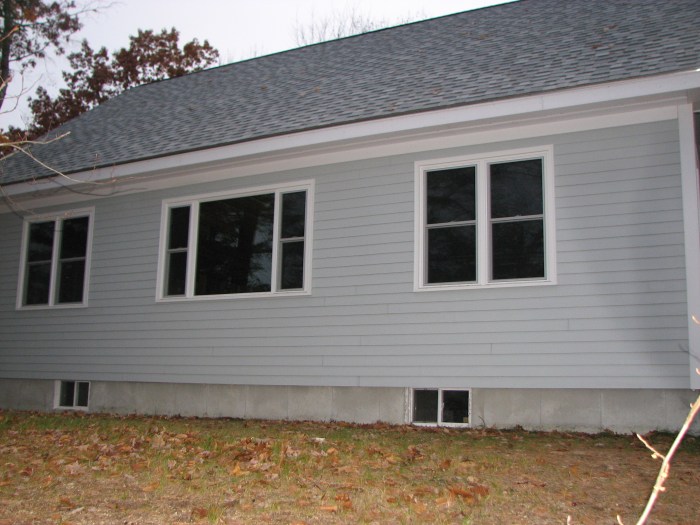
(73,255)
(178,246)
(68,239)
(451,195)
(483,222)
(235,242)
(451,225)
(452,254)
(37,284)
(292,240)
(439,406)
(234,245)
(425,406)
(517,220)
(455,406)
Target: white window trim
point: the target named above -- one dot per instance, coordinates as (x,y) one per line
(194,200)
(483,241)
(57,395)
(439,423)
(71,214)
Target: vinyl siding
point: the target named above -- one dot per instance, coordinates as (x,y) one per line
(615,319)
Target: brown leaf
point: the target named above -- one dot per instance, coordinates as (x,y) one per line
(329,508)
(480,490)
(199,513)
(74,469)
(139,466)
(445,501)
(392,460)
(66,503)
(151,487)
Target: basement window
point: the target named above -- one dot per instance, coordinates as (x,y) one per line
(440,406)
(73,394)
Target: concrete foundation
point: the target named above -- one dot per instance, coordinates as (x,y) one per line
(622,411)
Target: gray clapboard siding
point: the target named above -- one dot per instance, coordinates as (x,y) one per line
(615,319)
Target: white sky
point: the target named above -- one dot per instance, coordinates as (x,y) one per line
(239,29)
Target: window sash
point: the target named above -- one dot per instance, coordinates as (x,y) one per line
(277,246)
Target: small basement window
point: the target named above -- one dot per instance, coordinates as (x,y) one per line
(438,406)
(73,394)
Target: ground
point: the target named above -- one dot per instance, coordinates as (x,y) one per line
(91,469)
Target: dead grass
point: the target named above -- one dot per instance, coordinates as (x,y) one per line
(82,469)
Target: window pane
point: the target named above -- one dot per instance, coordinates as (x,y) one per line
(425,406)
(67,392)
(516,188)
(83,394)
(178,233)
(293,214)
(234,248)
(37,286)
(452,254)
(40,241)
(455,406)
(518,250)
(451,195)
(292,265)
(177,273)
(71,280)
(74,238)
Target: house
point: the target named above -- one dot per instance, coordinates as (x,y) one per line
(488,218)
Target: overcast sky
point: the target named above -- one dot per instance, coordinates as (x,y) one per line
(239,29)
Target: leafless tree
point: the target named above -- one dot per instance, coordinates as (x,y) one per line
(344,23)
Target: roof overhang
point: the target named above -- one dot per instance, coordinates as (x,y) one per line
(603,105)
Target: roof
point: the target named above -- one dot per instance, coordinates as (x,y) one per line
(509,50)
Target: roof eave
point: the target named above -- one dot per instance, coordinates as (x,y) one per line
(685,85)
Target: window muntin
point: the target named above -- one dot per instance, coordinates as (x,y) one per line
(55,255)
(237,244)
(485,221)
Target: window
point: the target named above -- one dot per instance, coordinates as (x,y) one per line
(55,266)
(485,221)
(72,394)
(237,244)
(440,407)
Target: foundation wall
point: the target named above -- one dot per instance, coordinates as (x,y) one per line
(621,411)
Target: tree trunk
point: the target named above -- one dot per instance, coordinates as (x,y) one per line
(5,47)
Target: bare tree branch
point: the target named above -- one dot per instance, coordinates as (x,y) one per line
(659,484)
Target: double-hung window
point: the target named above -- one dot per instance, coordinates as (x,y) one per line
(55,260)
(236,244)
(485,221)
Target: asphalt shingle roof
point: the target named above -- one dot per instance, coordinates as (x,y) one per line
(508,50)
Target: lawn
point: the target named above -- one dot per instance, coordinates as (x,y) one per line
(93,469)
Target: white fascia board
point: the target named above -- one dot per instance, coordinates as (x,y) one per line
(594,102)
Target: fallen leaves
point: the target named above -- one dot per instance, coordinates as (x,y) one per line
(95,469)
